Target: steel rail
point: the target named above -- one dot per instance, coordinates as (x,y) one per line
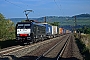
(50,49)
(62,50)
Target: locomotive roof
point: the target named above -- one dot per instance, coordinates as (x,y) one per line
(23,22)
(30,23)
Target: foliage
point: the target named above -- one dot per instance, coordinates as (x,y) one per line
(82,15)
(7,28)
(23,21)
(55,23)
(84,29)
(63,20)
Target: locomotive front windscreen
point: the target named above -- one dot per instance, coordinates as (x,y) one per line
(23,26)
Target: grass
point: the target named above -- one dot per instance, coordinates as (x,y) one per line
(83,49)
(88,36)
(84,46)
(86,40)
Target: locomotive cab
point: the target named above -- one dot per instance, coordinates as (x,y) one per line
(23,32)
(27,32)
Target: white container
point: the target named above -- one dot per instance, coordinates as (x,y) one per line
(54,30)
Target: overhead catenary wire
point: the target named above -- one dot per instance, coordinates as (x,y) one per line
(20,6)
(14,4)
(60,8)
(28,6)
(57,5)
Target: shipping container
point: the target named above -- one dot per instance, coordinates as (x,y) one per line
(64,31)
(60,30)
(67,31)
(48,30)
(54,30)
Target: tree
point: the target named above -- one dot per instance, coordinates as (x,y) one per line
(7,28)
(2,26)
(1,17)
(55,23)
(84,29)
(11,29)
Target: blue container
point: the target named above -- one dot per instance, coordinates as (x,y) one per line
(48,29)
(64,31)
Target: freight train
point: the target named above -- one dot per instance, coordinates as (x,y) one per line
(30,31)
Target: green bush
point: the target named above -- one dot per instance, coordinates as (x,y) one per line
(7,28)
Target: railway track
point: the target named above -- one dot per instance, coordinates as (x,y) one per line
(8,50)
(58,51)
(59,48)
(47,51)
(19,51)
(53,52)
(12,49)
(71,52)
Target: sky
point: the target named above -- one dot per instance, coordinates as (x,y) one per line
(41,8)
